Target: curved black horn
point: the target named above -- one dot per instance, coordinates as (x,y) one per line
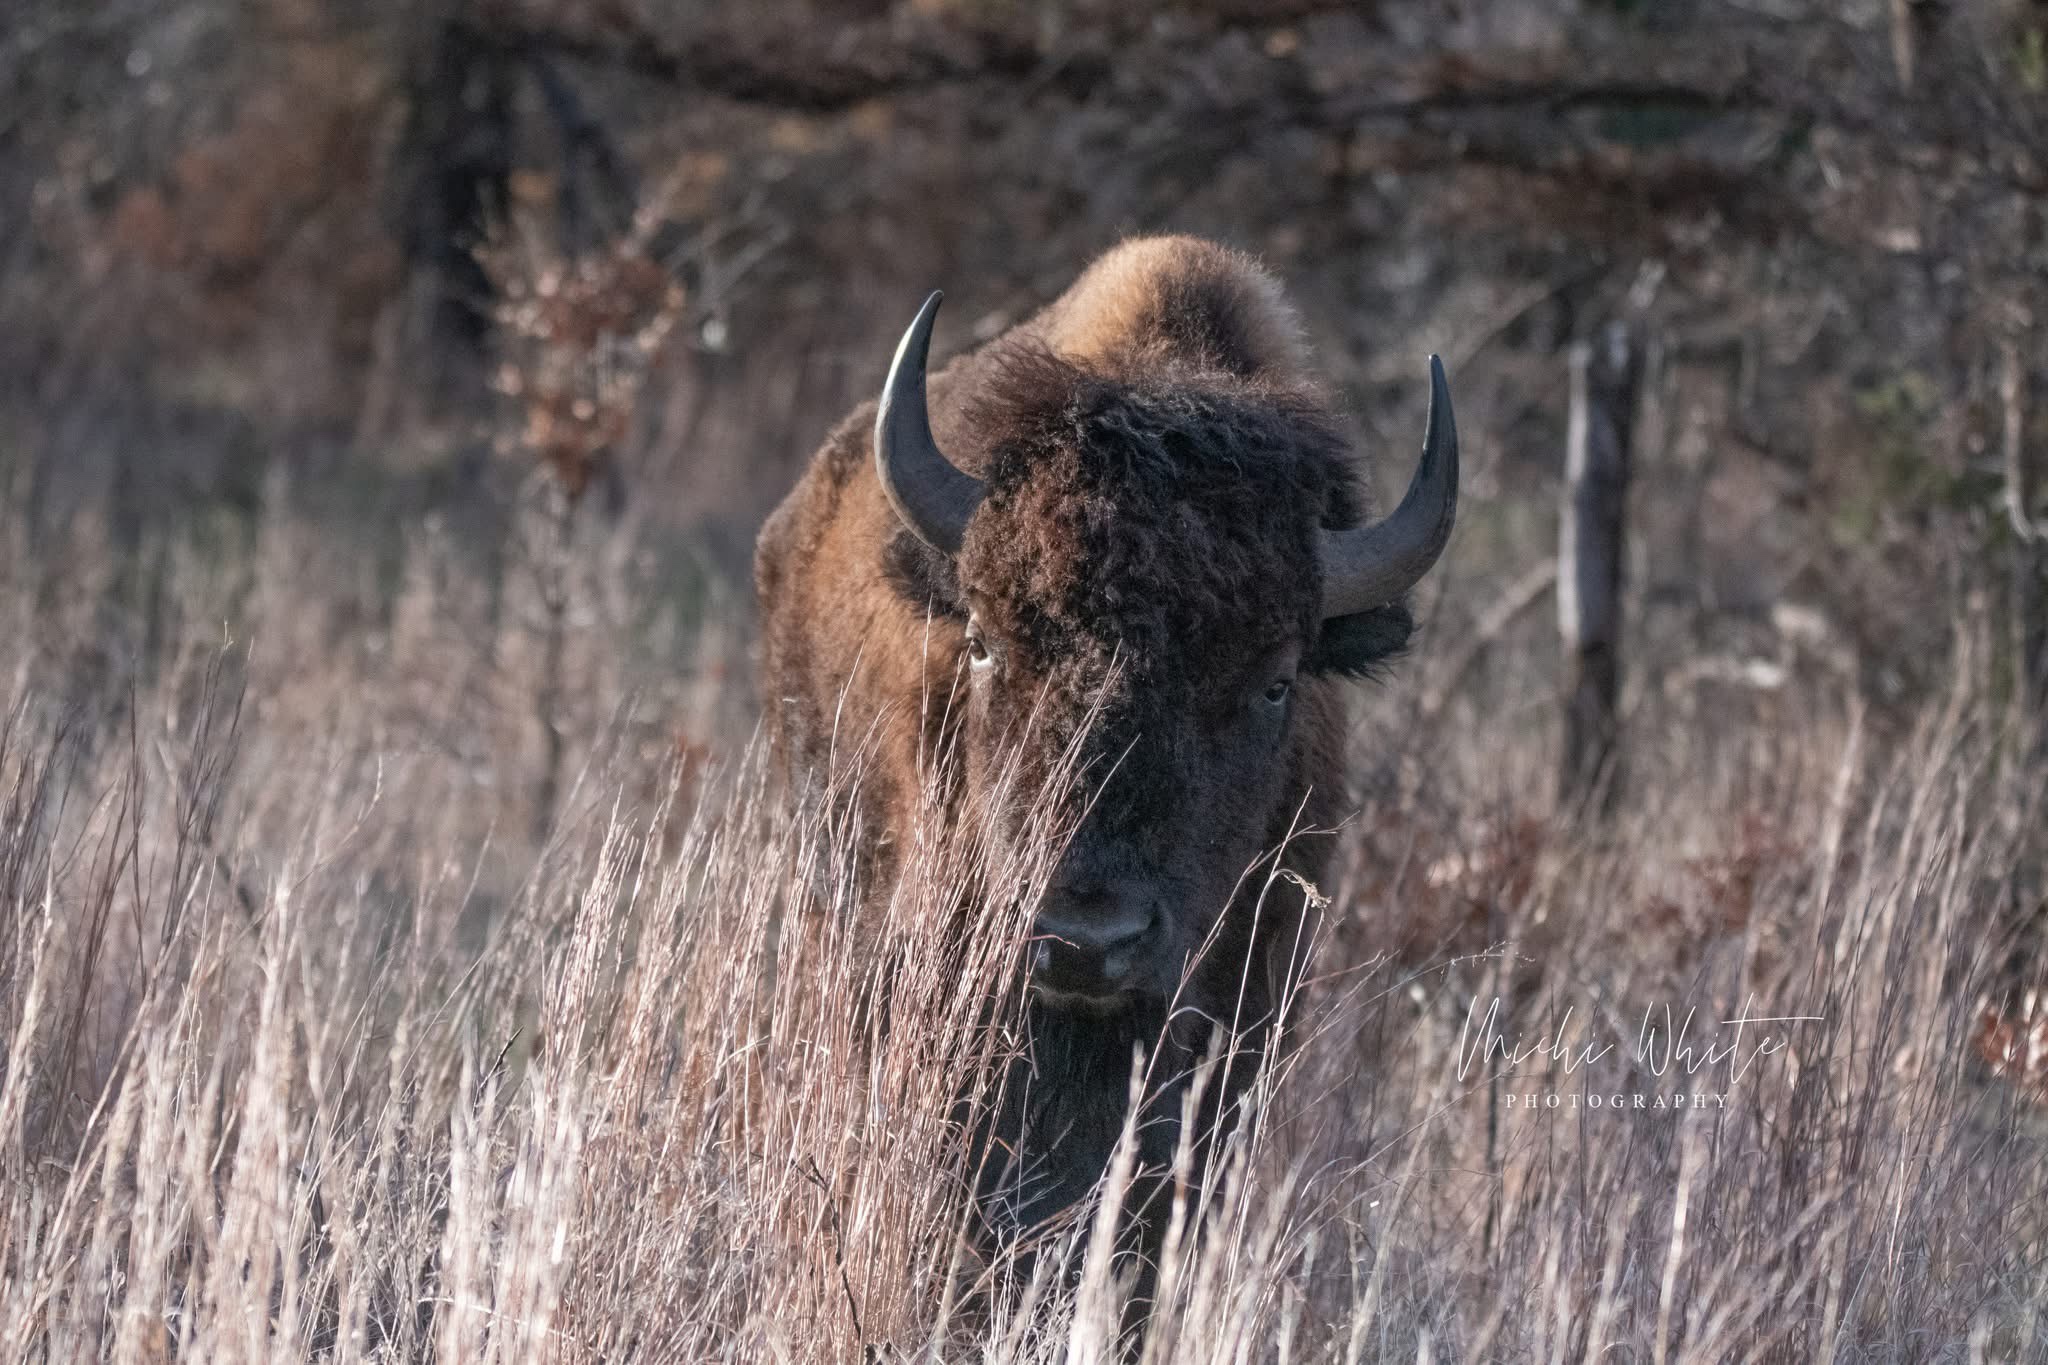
(1372,565)
(932,495)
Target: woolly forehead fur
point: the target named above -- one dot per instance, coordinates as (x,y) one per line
(1157,466)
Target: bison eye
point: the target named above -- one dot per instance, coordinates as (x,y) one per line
(1278,692)
(977,648)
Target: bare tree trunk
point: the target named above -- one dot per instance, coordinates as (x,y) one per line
(554,577)
(1605,374)
(2030,538)
(1903,41)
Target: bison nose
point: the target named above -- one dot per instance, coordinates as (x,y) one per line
(1089,941)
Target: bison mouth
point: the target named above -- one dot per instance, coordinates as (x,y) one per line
(1081,1002)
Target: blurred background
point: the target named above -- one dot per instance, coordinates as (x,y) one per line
(519,315)
(390,391)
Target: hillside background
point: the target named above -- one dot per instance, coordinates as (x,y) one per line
(239,269)
(390,393)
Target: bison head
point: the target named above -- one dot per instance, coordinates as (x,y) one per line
(1156,583)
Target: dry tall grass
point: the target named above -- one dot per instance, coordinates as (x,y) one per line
(309,1056)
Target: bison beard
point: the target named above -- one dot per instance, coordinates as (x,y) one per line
(1061,1111)
(1125,543)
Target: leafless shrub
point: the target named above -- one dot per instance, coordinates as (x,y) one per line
(579,335)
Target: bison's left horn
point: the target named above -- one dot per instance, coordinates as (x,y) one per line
(932,495)
(1373,565)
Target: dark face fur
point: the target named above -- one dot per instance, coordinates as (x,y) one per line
(1135,610)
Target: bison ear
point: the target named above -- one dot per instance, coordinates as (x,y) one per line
(1362,644)
(922,576)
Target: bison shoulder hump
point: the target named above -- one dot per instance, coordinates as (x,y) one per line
(1183,299)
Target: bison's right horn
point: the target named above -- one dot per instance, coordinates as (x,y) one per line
(932,495)
(1373,565)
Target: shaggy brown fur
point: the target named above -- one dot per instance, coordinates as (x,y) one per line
(1144,568)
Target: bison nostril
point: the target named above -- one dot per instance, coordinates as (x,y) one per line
(1087,944)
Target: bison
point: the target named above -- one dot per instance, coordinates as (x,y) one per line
(1127,541)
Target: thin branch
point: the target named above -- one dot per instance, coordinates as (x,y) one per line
(801,74)
(1520,595)
(2012,401)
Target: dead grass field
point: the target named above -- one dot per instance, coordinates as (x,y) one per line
(311,1052)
